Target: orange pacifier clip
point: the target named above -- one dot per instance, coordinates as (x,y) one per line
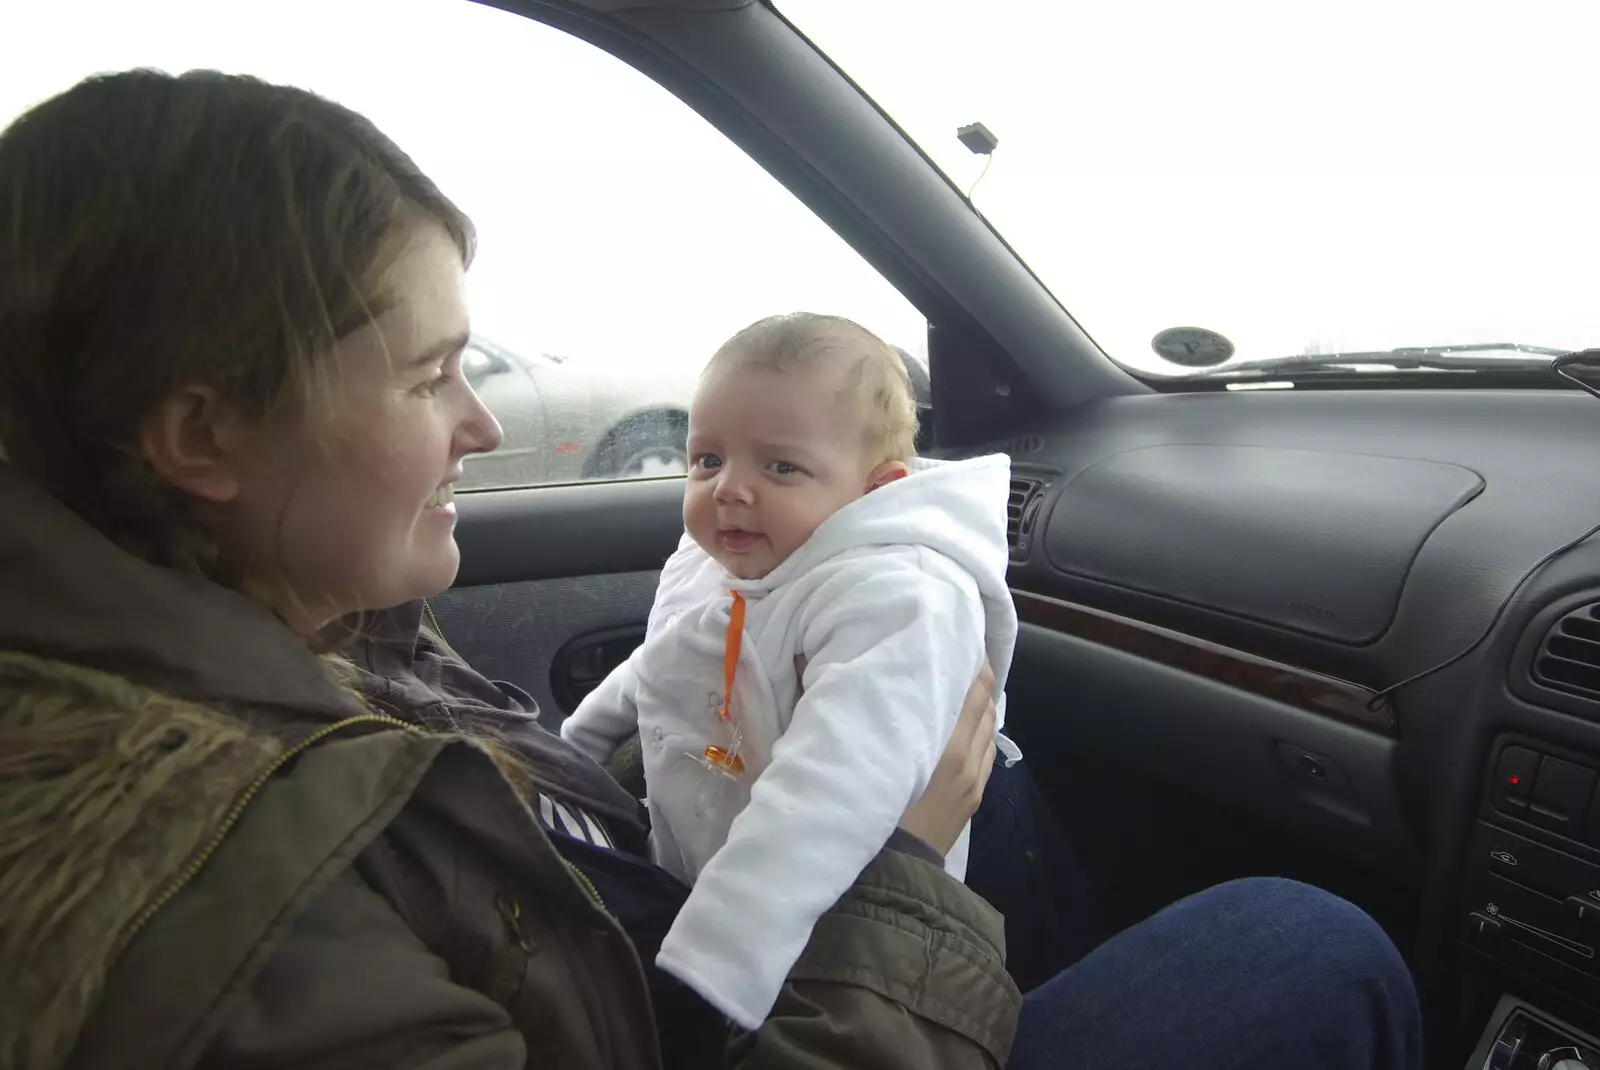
(726,760)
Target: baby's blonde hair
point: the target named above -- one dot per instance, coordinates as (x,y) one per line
(877,378)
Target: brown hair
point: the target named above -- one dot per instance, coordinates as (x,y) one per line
(878,381)
(160,231)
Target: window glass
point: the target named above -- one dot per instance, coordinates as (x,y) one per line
(1301,179)
(621,236)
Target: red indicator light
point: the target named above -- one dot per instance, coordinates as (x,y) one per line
(1515,780)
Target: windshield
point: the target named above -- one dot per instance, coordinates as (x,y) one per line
(1337,178)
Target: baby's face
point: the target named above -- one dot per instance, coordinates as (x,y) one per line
(771,456)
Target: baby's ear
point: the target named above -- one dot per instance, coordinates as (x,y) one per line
(886,473)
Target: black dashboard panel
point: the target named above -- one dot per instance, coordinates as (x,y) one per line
(1534,450)
(1325,539)
(1462,629)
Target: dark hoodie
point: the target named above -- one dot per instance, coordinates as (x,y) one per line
(212,854)
(409,672)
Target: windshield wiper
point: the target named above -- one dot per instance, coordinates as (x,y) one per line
(1448,358)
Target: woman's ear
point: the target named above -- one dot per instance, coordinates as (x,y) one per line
(886,473)
(193,440)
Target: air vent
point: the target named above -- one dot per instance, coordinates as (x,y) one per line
(1022,511)
(1022,444)
(1569,659)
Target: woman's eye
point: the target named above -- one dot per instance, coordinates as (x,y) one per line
(436,384)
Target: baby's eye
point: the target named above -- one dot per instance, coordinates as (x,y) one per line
(785,468)
(707,462)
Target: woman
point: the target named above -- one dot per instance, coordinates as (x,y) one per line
(231,322)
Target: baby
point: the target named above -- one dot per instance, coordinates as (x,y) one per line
(809,648)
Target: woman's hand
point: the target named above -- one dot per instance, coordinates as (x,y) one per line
(956,788)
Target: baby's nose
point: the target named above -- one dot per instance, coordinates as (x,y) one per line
(732,487)
(733,491)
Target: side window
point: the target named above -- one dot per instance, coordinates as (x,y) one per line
(621,236)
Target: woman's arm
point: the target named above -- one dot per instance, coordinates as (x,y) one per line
(352,986)
(904,973)
(907,971)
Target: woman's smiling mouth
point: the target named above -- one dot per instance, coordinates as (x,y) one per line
(443,497)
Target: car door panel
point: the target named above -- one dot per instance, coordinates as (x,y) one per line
(556,582)
(591,529)
(543,634)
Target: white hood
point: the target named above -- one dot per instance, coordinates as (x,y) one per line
(957,508)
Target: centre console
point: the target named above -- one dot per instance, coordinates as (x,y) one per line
(1522,1037)
(1531,900)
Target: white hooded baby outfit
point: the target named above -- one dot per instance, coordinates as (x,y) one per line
(893,603)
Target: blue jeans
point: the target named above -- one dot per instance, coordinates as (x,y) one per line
(1024,865)
(1259,973)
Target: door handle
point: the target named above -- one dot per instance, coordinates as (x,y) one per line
(582,663)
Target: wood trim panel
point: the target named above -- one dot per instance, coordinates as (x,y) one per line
(1284,683)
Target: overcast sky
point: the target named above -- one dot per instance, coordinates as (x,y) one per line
(1356,175)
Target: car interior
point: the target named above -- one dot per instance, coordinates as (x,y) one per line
(1346,630)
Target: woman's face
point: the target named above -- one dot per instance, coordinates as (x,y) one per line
(353,506)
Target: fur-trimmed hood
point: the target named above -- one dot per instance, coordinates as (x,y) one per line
(108,789)
(117,762)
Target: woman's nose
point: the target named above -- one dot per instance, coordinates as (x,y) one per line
(480,431)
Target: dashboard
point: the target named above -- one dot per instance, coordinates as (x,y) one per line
(1338,610)
(1336,607)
